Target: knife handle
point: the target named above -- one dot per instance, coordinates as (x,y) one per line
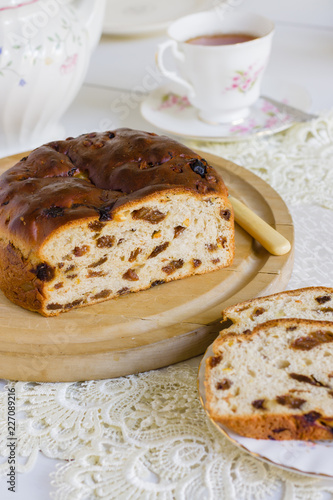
(269,238)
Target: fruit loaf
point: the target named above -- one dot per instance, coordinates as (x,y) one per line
(88,219)
(274,382)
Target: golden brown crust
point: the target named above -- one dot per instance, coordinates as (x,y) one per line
(91,177)
(18,281)
(309,426)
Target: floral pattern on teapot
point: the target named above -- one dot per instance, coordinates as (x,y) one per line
(58,38)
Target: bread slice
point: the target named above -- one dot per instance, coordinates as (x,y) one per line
(314,303)
(275,382)
(92,218)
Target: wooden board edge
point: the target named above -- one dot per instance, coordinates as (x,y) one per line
(103,365)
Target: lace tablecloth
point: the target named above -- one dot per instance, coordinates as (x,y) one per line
(146,436)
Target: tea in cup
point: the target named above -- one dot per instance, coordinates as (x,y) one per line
(220,61)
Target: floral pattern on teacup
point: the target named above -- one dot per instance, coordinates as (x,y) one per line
(171,100)
(244,80)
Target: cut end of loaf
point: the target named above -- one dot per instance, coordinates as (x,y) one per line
(163,238)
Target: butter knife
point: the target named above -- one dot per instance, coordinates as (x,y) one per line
(270,239)
(297,114)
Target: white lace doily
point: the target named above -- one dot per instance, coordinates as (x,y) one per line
(146,436)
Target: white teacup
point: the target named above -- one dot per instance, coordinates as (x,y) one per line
(222,81)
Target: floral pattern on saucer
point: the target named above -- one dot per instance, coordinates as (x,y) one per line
(170,100)
(272,118)
(170,110)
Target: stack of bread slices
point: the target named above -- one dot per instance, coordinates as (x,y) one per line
(271,373)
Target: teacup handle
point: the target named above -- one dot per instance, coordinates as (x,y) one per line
(172,75)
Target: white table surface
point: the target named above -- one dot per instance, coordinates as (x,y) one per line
(302,54)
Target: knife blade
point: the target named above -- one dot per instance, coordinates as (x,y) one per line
(297,114)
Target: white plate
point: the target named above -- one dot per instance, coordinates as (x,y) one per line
(314,458)
(132,17)
(168,109)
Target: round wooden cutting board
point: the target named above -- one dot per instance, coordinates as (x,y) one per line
(156,327)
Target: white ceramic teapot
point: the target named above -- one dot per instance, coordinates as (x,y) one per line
(45,47)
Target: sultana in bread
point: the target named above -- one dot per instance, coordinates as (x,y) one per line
(92,218)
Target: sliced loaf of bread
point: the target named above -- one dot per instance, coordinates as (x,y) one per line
(276,381)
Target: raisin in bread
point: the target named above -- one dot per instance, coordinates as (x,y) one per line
(308,303)
(87,219)
(275,382)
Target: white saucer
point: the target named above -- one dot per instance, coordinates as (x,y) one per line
(168,109)
(313,458)
(133,17)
